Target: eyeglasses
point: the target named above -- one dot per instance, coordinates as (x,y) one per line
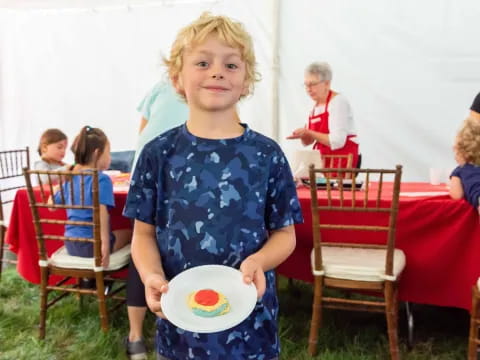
(311,84)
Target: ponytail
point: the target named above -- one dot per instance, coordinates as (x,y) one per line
(86,143)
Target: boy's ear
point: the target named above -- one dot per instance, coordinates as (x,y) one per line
(177,84)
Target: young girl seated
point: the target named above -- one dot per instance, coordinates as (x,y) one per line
(465,178)
(92,151)
(51,148)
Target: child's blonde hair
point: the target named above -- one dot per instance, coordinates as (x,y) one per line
(467,142)
(230,32)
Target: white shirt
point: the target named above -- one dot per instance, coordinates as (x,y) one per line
(43,165)
(340,121)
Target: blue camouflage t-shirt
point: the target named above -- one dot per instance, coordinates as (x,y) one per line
(214,202)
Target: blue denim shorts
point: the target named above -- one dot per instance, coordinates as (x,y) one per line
(85,249)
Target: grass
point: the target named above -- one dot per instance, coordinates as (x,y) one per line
(440,333)
(74,333)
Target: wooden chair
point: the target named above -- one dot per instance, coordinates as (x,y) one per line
(60,263)
(473,340)
(353,265)
(338,161)
(11,178)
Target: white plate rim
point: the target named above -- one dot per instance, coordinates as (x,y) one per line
(249,290)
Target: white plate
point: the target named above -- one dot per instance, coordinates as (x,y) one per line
(112,172)
(224,279)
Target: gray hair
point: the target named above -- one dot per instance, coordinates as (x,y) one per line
(320,69)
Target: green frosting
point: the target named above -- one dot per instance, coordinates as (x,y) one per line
(213,313)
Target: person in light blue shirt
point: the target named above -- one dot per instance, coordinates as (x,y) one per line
(162,109)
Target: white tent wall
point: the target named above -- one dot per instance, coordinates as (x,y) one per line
(410,69)
(68,65)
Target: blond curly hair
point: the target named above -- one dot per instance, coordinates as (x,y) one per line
(467,141)
(230,32)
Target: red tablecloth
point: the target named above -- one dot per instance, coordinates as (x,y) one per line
(440,238)
(21,232)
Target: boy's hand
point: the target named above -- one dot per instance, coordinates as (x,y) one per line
(155,286)
(253,271)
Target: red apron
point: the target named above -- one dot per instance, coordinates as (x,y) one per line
(350,146)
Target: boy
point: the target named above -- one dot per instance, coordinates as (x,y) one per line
(213,191)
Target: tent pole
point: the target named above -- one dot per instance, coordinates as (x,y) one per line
(275,71)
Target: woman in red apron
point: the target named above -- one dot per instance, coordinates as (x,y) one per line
(342,140)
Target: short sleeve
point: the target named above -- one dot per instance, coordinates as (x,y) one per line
(41,165)
(456,172)
(105,191)
(476,104)
(340,122)
(282,205)
(145,105)
(144,184)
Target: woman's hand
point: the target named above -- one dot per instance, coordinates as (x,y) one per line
(253,271)
(298,133)
(155,286)
(303,134)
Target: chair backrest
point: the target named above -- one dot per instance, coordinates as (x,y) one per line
(337,161)
(73,191)
(12,163)
(332,161)
(370,208)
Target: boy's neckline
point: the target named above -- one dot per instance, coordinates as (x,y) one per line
(222,140)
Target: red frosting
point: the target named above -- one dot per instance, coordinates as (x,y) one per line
(206,297)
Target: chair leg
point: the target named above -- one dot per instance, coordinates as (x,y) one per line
(2,242)
(473,335)
(316,315)
(391,310)
(102,306)
(410,324)
(43,303)
(78,295)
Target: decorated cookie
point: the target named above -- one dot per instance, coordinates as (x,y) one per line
(208,303)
